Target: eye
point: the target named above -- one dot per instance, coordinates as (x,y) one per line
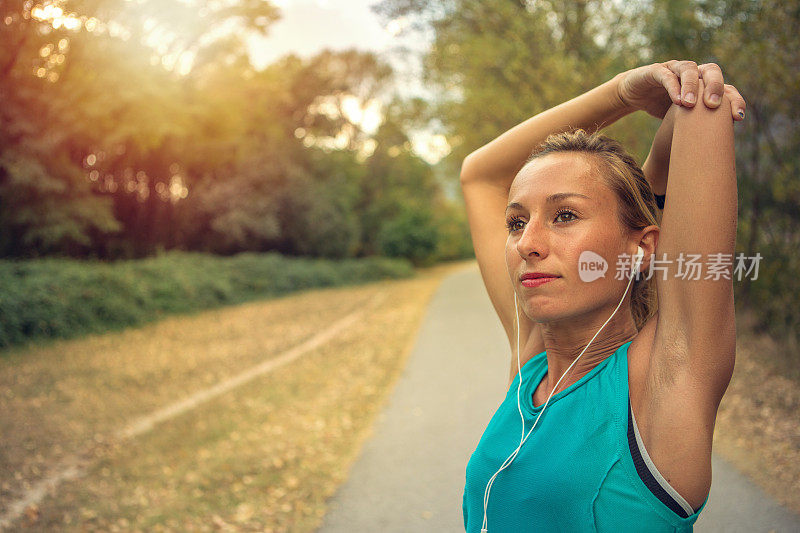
(511,223)
(566,212)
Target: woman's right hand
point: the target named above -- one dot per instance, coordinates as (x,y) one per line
(653,88)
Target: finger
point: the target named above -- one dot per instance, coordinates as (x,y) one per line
(689,76)
(669,80)
(715,85)
(738,105)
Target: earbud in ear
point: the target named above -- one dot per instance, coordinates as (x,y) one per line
(637,260)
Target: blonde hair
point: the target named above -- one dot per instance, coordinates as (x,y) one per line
(636,202)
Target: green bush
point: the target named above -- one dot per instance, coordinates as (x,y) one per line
(455,240)
(65,298)
(412,234)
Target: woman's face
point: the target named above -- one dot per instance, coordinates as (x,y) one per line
(549,236)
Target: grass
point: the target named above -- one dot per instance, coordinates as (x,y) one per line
(262,457)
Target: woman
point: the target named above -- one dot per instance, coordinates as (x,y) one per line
(609,417)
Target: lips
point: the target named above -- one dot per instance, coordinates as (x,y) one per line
(537,275)
(531,282)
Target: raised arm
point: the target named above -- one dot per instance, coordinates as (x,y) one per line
(695,339)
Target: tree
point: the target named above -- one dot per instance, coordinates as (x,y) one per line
(497,63)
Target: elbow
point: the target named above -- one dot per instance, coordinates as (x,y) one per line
(467,171)
(474,167)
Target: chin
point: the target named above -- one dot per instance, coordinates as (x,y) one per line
(541,313)
(549,308)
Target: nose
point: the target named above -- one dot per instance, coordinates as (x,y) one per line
(533,241)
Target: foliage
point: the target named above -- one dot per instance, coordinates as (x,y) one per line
(57,297)
(497,63)
(412,234)
(130,127)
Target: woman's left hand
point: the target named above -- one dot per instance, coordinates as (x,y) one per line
(653,88)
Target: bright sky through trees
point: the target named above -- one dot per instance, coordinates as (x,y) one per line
(308,26)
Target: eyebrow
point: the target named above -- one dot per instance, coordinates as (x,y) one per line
(557,197)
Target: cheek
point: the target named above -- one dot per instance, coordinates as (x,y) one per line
(590,255)
(572,254)
(512,257)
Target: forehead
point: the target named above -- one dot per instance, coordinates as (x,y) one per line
(557,173)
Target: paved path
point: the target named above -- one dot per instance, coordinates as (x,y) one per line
(410,475)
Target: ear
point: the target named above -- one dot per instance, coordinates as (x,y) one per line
(648,240)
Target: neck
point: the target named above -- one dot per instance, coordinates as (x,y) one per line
(565,340)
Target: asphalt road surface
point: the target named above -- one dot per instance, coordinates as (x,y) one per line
(410,475)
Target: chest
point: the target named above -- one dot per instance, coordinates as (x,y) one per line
(568,451)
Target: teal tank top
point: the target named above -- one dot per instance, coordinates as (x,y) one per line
(576,471)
